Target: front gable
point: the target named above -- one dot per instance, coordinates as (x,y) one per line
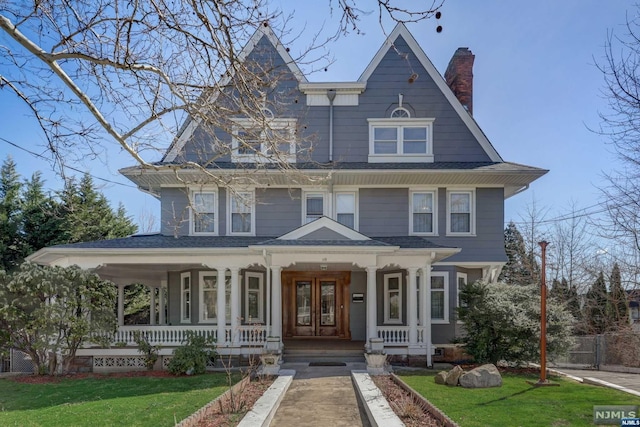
(324,229)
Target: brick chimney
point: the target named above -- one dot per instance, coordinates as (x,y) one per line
(459,77)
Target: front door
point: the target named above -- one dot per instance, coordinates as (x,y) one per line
(315,305)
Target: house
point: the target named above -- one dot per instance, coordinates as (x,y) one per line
(394,201)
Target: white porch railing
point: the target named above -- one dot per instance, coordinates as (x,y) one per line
(398,335)
(174,336)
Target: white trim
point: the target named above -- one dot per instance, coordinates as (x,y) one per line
(356,213)
(399,156)
(325,204)
(472,214)
(404,110)
(202,309)
(261,31)
(230,196)
(387,319)
(459,275)
(323,222)
(192,213)
(185,317)
(445,275)
(261,317)
(401,30)
(434,212)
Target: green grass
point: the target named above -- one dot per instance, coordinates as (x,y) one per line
(517,403)
(135,401)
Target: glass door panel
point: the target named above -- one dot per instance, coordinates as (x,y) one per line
(327,303)
(303,303)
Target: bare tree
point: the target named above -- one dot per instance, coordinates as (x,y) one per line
(620,123)
(125,74)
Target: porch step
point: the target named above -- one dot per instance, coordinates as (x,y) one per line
(301,355)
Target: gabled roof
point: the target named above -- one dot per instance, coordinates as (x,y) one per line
(324,226)
(190,125)
(401,31)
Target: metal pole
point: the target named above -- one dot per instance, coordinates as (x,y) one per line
(543,315)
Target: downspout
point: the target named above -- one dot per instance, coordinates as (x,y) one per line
(331,94)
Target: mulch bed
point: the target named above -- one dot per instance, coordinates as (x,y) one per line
(409,410)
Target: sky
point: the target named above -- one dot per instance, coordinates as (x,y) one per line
(537,93)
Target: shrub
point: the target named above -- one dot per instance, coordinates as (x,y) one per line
(192,357)
(502,322)
(150,352)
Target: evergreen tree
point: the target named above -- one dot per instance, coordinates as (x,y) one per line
(521,266)
(618,307)
(595,310)
(41,221)
(573,303)
(11,244)
(88,216)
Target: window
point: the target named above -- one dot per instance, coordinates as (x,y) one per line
(346,209)
(393,298)
(400,139)
(461,280)
(209,297)
(423,211)
(460,207)
(400,113)
(439,297)
(253,299)
(272,141)
(203,212)
(313,207)
(241,212)
(185,297)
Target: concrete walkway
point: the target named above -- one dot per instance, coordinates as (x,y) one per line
(321,396)
(630,381)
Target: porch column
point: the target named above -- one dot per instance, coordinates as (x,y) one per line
(425,309)
(152,306)
(222,315)
(372,311)
(235,304)
(162,304)
(120,305)
(276,301)
(412,307)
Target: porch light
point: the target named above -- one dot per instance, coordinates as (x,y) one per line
(323,267)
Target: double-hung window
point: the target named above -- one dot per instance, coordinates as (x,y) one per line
(185,297)
(460,212)
(393,298)
(400,140)
(241,212)
(439,297)
(204,212)
(270,141)
(345,209)
(423,212)
(254,301)
(209,297)
(461,280)
(313,206)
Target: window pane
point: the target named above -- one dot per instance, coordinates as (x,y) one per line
(460,203)
(209,297)
(346,219)
(204,223)
(328,303)
(241,223)
(303,301)
(314,206)
(415,134)
(254,283)
(437,305)
(385,134)
(394,305)
(204,202)
(460,223)
(422,223)
(254,305)
(414,147)
(248,141)
(385,140)
(345,203)
(393,283)
(437,282)
(414,140)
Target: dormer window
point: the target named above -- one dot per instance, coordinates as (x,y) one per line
(400,139)
(272,141)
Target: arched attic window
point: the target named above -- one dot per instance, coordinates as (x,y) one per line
(400,113)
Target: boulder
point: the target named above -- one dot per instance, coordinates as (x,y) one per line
(453,376)
(441,377)
(482,377)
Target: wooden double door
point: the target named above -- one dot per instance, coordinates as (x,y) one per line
(315,304)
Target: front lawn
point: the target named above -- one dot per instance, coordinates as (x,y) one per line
(517,403)
(107,401)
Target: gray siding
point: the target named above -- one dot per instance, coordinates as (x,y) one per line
(358,310)
(384,211)
(278,211)
(174,212)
